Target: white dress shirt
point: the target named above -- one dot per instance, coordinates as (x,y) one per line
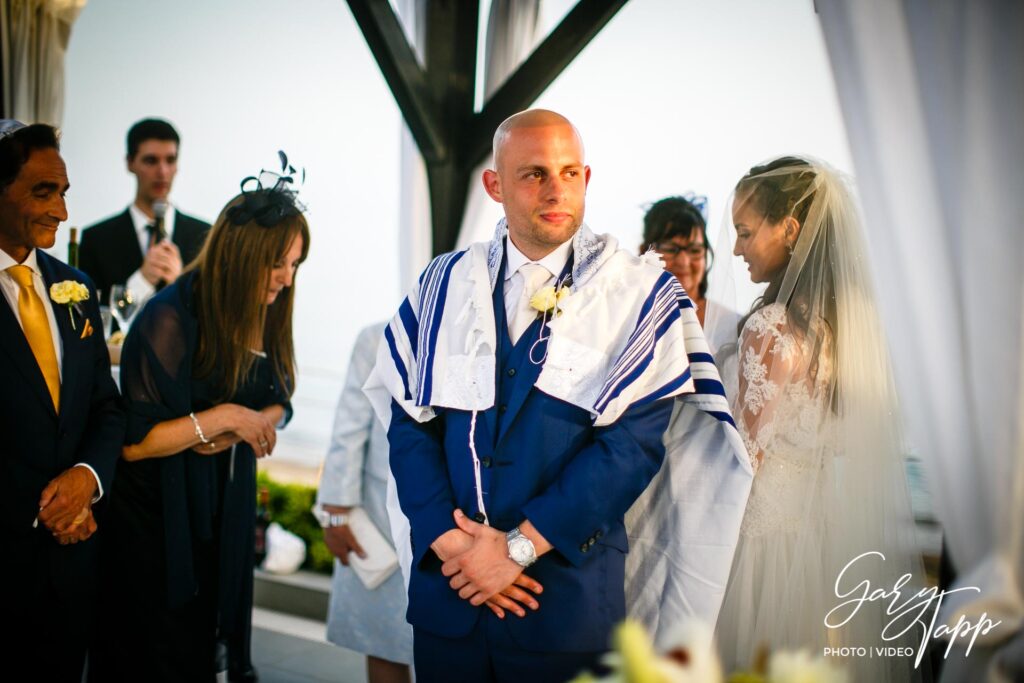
(553,263)
(11,291)
(138,283)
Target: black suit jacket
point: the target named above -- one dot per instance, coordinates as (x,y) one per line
(109,252)
(38,444)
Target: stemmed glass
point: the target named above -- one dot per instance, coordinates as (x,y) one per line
(123,305)
(107,318)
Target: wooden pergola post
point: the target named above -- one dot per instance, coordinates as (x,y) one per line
(437,100)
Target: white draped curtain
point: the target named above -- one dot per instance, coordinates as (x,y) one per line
(414,234)
(34,37)
(932,95)
(512,33)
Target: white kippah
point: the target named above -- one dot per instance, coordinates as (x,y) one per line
(9,126)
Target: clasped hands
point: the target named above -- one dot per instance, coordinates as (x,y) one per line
(475,557)
(65,505)
(255,427)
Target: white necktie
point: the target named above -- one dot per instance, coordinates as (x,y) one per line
(534,277)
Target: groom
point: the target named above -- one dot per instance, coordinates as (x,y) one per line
(520,436)
(61,421)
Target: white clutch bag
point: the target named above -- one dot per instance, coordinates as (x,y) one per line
(381,560)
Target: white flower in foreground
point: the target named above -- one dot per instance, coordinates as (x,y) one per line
(692,646)
(800,667)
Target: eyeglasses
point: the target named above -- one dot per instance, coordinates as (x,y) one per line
(671,250)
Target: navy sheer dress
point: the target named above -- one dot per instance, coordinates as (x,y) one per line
(178,555)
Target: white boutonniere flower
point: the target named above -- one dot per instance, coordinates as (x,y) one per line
(69,293)
(548,300)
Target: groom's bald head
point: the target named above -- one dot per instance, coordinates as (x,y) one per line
(531,118)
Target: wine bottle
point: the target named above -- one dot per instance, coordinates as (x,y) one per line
(262,522)
(73,248)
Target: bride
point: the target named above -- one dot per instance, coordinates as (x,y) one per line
(812,394)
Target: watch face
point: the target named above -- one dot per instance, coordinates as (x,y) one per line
(521,550)
(322,516)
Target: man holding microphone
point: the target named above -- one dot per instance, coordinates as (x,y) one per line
(147,245)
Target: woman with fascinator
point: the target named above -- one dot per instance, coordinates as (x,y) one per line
(810,386)
(207,371)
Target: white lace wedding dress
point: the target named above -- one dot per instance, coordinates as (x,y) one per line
(779,386)
(815,404)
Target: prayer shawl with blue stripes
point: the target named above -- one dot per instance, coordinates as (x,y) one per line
(627,335)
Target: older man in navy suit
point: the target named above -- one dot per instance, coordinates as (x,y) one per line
(528,384)
(61,421)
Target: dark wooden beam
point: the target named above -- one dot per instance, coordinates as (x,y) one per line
(437,99)
(450,52)
(406,79)
(449,191)
(539,71)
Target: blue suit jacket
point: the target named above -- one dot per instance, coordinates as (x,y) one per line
(542,460)
(39,443)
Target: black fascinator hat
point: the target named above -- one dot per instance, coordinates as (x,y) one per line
(269,198)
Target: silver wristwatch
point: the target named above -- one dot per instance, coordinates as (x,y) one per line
(329,519)
(520,548)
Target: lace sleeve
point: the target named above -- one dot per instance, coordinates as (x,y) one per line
(155,370)
(770,360)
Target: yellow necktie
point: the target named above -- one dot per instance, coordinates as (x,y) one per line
(37,329)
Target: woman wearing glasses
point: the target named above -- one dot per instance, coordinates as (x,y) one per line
(207,372)
(675,228)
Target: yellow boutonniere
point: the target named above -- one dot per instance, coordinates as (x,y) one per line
(69,293)
(548,300)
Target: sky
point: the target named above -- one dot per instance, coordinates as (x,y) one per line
(672,96)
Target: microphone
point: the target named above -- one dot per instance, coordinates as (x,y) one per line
(160,234)
(159,211)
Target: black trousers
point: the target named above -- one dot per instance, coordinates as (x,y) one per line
(49,629)
(140,639)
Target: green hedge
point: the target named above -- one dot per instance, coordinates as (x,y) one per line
(290,506)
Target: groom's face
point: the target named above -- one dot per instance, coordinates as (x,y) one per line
(541,181)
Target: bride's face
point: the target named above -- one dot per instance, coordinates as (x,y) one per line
(761,244)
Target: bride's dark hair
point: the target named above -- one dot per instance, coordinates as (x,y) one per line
(786,187)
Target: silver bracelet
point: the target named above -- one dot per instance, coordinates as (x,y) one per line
(199,430)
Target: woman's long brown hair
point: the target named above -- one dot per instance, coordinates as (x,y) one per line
(230,294)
